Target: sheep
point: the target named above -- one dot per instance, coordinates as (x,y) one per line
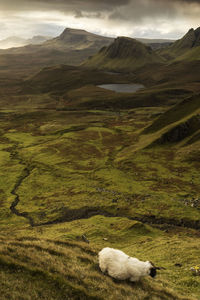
(121,266)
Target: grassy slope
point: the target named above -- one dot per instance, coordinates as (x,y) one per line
(62,78)
(100,62)
(191,55)
(182,110)
(77,88)
(174,54)
(71,271)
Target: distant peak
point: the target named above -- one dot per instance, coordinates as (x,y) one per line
(130,42)
(126,39)
(73,30)
(196,31)
(123,38)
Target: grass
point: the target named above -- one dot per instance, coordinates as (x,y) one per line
(85,169)
(71,270)
(62,177)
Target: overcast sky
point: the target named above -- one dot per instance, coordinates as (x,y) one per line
(134,18)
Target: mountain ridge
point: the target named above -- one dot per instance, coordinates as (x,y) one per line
(15,41)
(188,42)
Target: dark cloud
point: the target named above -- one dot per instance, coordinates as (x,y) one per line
(117,9)
(86,5)
(110,16)
(83,5)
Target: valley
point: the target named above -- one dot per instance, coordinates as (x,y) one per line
(120,169)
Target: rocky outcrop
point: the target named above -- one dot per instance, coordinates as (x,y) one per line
(181,131)
(124,47)
(197,37)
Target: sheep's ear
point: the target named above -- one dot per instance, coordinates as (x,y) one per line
(152,264)
(157,268)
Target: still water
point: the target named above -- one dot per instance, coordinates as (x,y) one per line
(122,88)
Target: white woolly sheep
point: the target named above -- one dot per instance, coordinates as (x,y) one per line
(121,266)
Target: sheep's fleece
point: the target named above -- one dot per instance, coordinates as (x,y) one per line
(121,266)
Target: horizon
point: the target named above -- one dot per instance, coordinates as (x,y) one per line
(93,32)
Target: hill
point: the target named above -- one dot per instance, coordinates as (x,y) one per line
(170,64)
(189,41)
(77,39)
(72,47)
(12,41)
(184,109)
(78,88)
(179,126)
(124,54)
(62,78)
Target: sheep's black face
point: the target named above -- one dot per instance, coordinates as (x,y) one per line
(153,272)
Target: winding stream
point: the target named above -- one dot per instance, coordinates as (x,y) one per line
(25,173)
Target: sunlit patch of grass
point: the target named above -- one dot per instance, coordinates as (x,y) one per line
(24,139)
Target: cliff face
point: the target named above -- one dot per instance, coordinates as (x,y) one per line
(197,37)
(181,131)
(189,42)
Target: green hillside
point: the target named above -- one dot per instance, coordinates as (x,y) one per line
(61,78)
(191,55)
(124,54)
